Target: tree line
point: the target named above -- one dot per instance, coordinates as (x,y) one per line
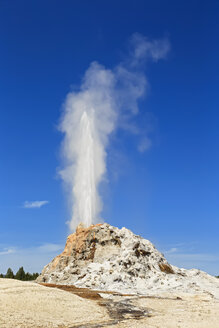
(20,275)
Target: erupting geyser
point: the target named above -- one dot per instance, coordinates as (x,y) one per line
(100,256)
(105,99)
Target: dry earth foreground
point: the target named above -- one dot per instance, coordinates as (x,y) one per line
(29,305)
(109,277)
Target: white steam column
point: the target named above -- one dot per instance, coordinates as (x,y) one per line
(85,189)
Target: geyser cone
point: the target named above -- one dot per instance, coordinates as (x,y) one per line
(103,257)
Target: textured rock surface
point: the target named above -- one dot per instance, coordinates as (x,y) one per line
(103,257)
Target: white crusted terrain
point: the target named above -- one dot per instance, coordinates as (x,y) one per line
(103,257)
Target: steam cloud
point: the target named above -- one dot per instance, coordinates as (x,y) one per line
(92,114)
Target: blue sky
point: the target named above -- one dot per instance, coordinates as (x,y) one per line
(169,193)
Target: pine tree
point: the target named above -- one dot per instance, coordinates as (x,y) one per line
(20,275)
(35,275)
(28,276)
(9,274)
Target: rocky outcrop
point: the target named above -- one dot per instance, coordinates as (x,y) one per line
(103,257)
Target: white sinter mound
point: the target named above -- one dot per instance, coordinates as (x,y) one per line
(103,257)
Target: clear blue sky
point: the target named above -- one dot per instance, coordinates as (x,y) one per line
(168,194)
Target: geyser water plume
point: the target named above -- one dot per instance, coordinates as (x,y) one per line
(91,115)
(86,189)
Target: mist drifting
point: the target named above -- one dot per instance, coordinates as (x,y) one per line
(91,115)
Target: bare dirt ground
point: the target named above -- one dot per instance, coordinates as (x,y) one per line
(29,305)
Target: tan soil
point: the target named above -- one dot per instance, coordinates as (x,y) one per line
(29,305)
(189,312)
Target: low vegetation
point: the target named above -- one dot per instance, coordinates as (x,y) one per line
(20,275)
